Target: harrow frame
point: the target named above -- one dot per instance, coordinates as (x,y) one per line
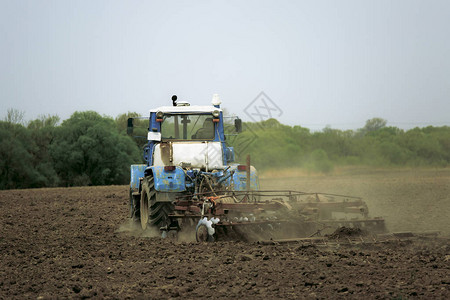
(288,213)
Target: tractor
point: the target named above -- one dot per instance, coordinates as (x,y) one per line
(190,179)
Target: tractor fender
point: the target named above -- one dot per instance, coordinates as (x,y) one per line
(168,181)
(137,171)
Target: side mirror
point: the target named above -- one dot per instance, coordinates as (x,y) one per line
(130,126)
(238,125)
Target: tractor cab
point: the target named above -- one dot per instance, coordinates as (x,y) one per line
(185,135)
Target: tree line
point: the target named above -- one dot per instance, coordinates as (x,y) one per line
(90,149)
(86,149)
(274,145)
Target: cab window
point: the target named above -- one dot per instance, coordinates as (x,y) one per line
(187,127)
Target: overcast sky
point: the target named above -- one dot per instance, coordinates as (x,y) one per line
(334,63)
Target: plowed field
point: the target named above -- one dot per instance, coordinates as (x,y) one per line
(77,243)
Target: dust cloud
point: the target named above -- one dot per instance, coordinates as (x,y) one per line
(132,228)
(408,199)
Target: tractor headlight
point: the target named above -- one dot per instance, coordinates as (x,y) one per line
(216,114)
(159,114)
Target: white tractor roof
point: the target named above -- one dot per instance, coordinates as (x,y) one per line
(186,109)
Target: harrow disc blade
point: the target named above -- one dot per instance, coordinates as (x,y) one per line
(201,234)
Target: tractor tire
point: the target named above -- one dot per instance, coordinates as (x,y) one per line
(148,195)
(159,214)
(131,210)
(151,211)
(134,210)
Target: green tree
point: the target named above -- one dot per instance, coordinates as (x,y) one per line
(318,161)
(426,146)
(89,150)
(42,132)
(372,125)
(14,116)
(140,127)
(16,161)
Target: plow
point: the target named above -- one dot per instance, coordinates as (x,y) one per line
(191,182)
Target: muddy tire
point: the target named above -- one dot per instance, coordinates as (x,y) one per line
(159,213)
(153,212)
(134,208)
(131,206)
(148,195)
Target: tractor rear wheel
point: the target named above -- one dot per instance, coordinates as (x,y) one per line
(131,207)
(135,203)
(153,212)
(148,195)
(159,213)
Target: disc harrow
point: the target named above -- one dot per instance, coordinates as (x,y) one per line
(270,215)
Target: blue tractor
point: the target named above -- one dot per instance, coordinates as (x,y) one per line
(190,179)
(186,158)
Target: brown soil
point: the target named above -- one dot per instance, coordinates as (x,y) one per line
(77,243)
